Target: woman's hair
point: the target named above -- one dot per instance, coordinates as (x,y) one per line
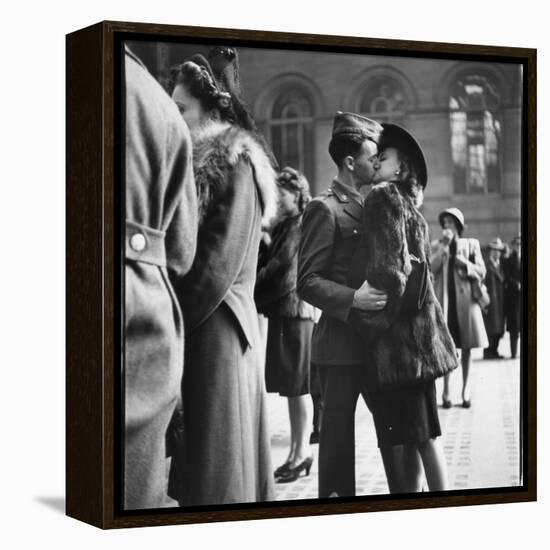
(294,181)
(408,176)
(203,87)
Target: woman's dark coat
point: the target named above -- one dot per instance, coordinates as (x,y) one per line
(276,292)
(226,440)
(402,348)
(512,292)
(494,314)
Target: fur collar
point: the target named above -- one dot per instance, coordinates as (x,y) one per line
(219,145)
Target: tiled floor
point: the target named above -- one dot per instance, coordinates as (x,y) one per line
(481,444)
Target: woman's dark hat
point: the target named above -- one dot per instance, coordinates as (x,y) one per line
(456,214)
(396,136)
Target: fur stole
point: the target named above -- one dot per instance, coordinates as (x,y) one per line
(217,148)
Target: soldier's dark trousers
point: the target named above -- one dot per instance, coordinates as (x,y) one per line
(341,386)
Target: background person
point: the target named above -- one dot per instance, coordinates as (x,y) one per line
(290,319)
(493,315)
(513,294)
(456,262)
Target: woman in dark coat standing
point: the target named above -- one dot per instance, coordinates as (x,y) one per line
(512,294)
(494,313)
(226,454)
(290,322)
(406,346)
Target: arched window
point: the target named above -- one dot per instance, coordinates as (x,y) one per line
(290,129)
(384,100)
(476,129)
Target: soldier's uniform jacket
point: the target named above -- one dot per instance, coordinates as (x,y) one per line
(331,230)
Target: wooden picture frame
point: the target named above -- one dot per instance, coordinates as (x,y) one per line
(94,273)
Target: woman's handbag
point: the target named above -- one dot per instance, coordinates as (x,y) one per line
(416,288)
(479,290)
(480,294)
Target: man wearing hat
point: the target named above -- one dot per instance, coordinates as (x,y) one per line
(331,230)
(494,313)
(456,264)
(512,294)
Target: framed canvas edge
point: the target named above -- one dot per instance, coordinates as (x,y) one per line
(106,517)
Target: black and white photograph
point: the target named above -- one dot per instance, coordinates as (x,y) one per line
(322,275)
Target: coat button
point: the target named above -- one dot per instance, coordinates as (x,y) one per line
(137,242)
(355,231)
(345,197)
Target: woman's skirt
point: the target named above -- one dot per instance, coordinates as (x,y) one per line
(288,356)
(405,416)
(225,454)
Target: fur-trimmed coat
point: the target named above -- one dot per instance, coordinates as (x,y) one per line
(224,455)
(276,294)
(236,193)
(402,348)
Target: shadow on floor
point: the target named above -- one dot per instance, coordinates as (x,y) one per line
(57,504)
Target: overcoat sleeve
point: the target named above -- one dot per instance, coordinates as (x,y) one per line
(388,261)
(475,266)
(272,281)
(314,261)
(223,241)
(181,234)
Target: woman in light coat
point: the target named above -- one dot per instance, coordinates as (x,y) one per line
(226,454)
(456,262)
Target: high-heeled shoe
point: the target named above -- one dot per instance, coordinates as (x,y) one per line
(294,473)
(281,470)
(447,403)
(466,403)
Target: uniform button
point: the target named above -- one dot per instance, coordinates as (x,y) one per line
(345,197)
(137,242)
(355,231)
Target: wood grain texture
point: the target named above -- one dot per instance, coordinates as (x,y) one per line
(93,258)
(84,331)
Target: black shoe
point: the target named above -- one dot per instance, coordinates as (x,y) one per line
(294,473)
(447,403)
(282,470)
(466,404)
(314,438)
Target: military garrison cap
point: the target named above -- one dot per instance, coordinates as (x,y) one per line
(351,124)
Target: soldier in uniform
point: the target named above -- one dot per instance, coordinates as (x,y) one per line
(331,230)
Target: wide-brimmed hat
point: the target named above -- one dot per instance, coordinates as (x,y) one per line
(354,125)
(456,214)
(396,136)
(497,244)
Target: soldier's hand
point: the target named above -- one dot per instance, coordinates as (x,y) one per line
(368,298)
